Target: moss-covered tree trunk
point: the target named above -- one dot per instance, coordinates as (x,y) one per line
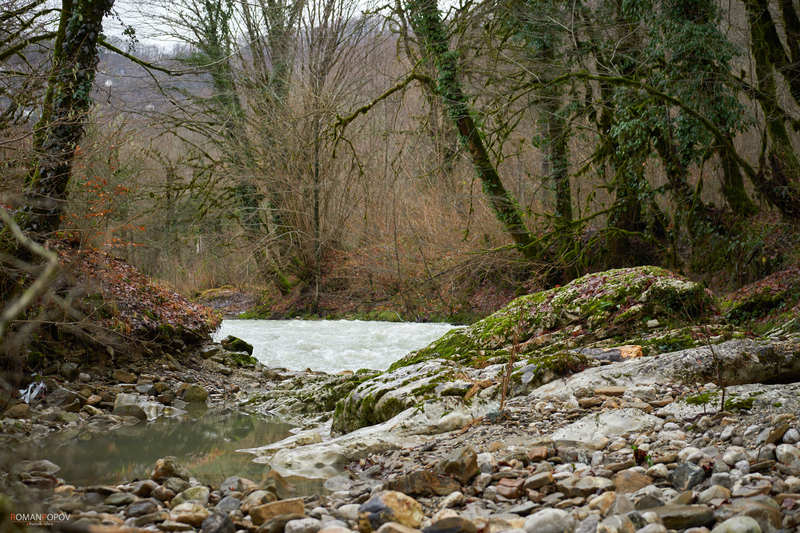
(782,187)
(790,66)
(689,206)
(427,23)
(733,188)
(66,105)
(557,157)
(626,225)
(556,135)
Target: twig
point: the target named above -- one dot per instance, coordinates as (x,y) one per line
(37,288)
(717,366)
(512,358)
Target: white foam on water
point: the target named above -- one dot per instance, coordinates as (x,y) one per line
(332,345)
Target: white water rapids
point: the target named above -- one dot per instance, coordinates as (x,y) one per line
(331,345)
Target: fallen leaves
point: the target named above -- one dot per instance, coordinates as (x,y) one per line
(131,303)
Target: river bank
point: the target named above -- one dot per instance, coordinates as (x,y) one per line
(633,456)
(624,401)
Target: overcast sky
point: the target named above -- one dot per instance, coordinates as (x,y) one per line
(141,16)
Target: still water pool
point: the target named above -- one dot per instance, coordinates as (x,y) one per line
(205,443)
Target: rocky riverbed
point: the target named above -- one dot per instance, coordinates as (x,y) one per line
(611,458)
(656,424)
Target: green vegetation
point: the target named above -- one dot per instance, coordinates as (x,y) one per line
(242,359)
(613,303)
(739,404)
(704,398)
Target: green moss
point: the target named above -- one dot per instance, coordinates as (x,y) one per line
(702,398)
(673,341)
(766,304)
(425,389)
(241,359)
(454,345)
(545,368)
(755,307)
(390,407)
(257,313)
(356,411)
(739,404)
(36,359)
(329,395)
(596,306)
(634,312)
(385,316)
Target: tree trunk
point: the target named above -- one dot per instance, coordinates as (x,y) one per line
(64,111)
(555,163)
(689,207)
(733,186)
(426,22)
(315,171)
(782,187)
(626,218)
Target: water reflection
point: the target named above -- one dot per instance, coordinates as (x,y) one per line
(206,444)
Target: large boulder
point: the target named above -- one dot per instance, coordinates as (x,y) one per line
(607,424)
(733,362)
(382,397)
(300,398)
(617,303)
(438,381)
(318,461)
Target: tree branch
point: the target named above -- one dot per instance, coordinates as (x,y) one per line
(141,62)
(342,122)
(8,52)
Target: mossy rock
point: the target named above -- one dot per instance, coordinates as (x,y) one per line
(767,302)
(380,398)
(543,369)
(440,381)
(195,394)
(241,359)
(614,303)
(309,396)
(235,344)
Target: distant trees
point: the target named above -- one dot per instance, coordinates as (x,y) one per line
(26,28)
(601,133)
(270,77)
(647,87)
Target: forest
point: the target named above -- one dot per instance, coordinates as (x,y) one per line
(476,266)
(332,157)
(425,161)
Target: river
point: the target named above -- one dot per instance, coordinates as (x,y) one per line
(206,442)
(331,345)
